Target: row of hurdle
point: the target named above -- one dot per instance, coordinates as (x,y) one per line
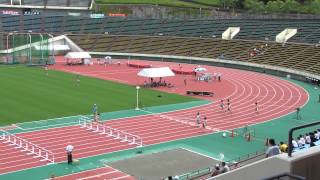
(89,124)
(26,146)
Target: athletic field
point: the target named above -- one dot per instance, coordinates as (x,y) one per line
(164,128)
(28,94)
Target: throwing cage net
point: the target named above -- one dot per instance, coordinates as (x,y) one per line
(246,132)
(26,48)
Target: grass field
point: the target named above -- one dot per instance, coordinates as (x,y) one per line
(27,94)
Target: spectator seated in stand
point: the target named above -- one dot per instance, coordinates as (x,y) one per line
(216,170)
(294,144)
(273,149)
(224,168)
(299,142)
(283,147)
(317,134)
(307,138)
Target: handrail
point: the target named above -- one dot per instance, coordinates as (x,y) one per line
(285,175)
(196,173)
(294,129)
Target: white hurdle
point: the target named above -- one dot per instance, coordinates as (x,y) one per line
(87,123)
(25,145)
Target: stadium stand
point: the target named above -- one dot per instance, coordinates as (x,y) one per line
(78,3)
(33,2)
(5,2)
(49,4)
(196,38)
(57,3)
(291,55)
(308,30)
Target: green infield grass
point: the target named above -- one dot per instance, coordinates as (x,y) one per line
(28,94)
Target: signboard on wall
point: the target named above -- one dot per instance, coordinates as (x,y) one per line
(117,15)
(30,12)
(95,15)
(10,12)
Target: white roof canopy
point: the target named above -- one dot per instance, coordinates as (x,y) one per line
(56,47)
(78,55)
(156,72)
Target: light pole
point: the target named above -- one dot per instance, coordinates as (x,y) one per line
(137,106)
(52,45)
(30,52)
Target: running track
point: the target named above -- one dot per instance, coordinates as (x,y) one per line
(275,98)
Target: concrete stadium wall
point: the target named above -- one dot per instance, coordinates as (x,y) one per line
(304,163)
(257,170)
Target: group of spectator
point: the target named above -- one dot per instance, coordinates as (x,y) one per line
(300,142)
(308,139)
(172,178)
(258,50)
(156,83)
(220,169)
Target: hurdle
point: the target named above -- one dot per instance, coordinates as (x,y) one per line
(88,124)
(24,145)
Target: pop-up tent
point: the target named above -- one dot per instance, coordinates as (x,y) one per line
(78,58)
(78,55)
(200,69)
(156,72)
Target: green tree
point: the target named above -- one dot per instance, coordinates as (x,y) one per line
(291,6)
(314,7)
(254,5)
(275,6)
(227,4)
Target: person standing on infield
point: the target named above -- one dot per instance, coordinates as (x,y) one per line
(78,80)
(298,113)
(46,69)
(95,112)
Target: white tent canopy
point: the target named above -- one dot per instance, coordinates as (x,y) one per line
(200,69)
(78,55)
(156,72)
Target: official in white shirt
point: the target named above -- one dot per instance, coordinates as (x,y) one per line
(69,150)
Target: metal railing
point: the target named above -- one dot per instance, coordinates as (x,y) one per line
(233,164)
(279,176)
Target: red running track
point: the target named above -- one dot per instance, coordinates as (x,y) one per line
(276,97)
